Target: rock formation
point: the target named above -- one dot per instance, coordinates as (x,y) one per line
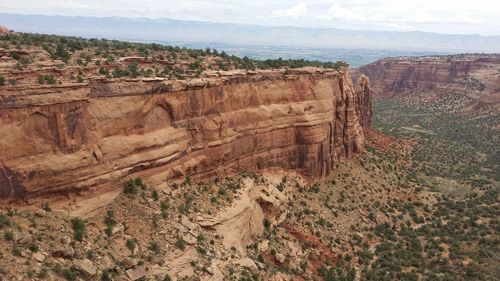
(58,139)
(476,75)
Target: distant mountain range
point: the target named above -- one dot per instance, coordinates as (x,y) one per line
(190,32)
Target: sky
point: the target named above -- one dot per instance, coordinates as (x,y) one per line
(441,16)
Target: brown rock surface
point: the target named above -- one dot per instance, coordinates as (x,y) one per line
(4,30)
(476,75)
(92,136)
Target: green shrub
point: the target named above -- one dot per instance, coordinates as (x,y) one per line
(155,247)
(46,79)
(110,221)
(69,274)
(2,80)
(4,221)
(129,187)
(267,223)
(78,229)
(34,248)
(8,235)
(180,243)
(16,251)
(131,244)
(105,275)
(155,195)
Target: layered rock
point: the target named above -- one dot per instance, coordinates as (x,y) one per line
(475,75)
(92,136)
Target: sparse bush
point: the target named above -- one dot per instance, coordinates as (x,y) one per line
(8,235)
(16,251)
(267,223)
(110,221)
(78,229)
(180,244)
(105,275)
(131,244)
(130,187)
(69,274)
(46,79)
(154,247)
(155,195)
(34,248)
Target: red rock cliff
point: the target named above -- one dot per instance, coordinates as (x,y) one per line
(476,75)
(87,137)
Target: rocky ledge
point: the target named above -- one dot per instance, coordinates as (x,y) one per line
(90,137)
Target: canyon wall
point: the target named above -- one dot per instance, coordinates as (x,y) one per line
(88,137)
(476,75)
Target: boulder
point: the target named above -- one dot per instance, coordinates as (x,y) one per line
(280,258)
(24,239)
(66,252)
(39,257)
(263,246)
(136,273)
(85,267)
(129,263)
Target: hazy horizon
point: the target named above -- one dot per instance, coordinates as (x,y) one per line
(445,16)
(190,32)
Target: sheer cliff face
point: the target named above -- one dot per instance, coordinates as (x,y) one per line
(62,139)
(476,75)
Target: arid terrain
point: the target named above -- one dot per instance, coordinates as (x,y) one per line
(127,161)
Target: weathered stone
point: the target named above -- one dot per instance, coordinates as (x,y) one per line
(190,239)
(65,240)
(39,257)
(263,246)
(40,213)
(280,258)
(187,223)
(129,263)
(248,263)
(209,270)
(380,218)
(118,228)
(263,120)
(85,267)
(180,227)
(24,239)
(136,273)
(294,249)
(66,252)
(107,262)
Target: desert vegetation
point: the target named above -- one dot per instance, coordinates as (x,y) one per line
(73,59)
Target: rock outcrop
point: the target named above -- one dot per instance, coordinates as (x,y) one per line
(59,139)
(476,75)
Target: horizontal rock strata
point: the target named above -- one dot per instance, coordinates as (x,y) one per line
(476,75)
(92,136)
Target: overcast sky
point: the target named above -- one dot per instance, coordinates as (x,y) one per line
(443,16)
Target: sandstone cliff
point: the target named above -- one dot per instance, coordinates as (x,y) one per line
(78,137)
(476,75)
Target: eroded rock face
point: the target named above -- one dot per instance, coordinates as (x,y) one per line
(475,74)
(73,138)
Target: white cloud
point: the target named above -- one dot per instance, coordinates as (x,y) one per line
(337,11)
(294,12)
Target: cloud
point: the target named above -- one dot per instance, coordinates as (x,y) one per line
(448,16)
(294,12)
(338,12)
